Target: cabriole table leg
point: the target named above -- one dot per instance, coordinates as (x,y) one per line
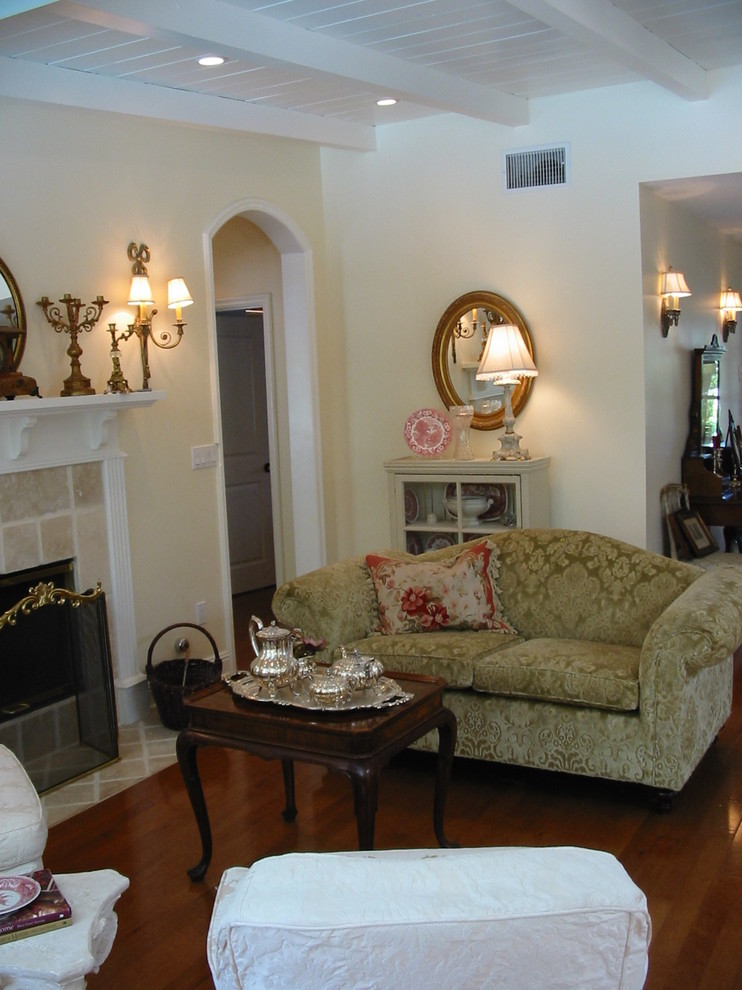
(186,748)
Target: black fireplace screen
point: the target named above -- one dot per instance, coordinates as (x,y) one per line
(57,701)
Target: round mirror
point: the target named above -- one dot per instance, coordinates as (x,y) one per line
(12,321)
(457,348)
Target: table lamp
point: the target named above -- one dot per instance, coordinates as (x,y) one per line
(505,362)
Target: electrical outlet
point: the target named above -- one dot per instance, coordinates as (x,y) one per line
(200,613)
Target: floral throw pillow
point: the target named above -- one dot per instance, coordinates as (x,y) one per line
(422,596)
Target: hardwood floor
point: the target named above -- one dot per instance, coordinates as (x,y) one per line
(689,862)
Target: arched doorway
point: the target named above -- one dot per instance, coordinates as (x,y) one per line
(298,505)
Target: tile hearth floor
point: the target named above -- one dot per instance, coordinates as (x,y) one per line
(144,748)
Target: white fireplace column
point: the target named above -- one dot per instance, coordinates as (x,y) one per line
(64,432)
(132,698)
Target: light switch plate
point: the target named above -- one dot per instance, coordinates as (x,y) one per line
(203,457)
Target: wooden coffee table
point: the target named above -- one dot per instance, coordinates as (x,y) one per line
(359,743)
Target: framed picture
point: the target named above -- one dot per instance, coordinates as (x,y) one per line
(696,533)
(682,546)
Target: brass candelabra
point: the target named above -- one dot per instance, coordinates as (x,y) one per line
(117,382)
(76,383)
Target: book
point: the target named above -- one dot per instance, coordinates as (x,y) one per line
(48,911)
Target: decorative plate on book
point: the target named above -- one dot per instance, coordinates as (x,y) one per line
(427,432)
(17,892)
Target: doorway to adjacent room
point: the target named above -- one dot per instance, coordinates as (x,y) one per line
(246,448)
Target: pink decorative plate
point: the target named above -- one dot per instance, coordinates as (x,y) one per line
(17,892)
(427,432)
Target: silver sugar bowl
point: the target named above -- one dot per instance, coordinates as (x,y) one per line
(360,671)
(329,690)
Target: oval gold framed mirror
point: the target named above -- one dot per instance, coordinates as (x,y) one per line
(457,348)
(12,321)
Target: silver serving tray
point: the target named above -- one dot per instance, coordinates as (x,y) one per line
(385,694)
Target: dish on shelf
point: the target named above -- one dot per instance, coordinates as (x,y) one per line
(439,541)
(411,507)
(17,892)
(473,508)
(414,543)
(498,493)
(427,432)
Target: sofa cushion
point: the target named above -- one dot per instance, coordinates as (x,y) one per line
(424,596)
(595,675)
(450,655)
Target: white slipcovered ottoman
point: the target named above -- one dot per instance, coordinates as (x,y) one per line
(23,829)
(506,918)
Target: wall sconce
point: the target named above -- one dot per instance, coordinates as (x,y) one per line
(465,331)
(672,288)
(730,305)
(505,361)
(140,294)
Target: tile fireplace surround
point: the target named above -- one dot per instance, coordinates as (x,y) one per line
(62,494)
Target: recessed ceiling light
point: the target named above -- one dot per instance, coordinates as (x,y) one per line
(211,60)
(388,101)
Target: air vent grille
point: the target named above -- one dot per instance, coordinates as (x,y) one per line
(532,168)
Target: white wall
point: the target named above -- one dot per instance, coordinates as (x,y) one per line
(76,188)
(425,219)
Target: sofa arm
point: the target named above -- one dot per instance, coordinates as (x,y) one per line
(701,627)
(336,603)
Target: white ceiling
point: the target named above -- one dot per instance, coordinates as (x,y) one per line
(313,69)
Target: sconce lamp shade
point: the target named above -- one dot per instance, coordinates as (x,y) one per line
(730,301)
(506,357)
(730,304)
(674,284)
(672,287)
(178,294)
(140,293)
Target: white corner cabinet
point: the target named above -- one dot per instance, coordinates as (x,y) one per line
(438,503)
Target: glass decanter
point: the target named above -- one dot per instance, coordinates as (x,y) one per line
(461,417)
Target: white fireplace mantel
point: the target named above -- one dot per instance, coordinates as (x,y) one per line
(39,433)
(62,432)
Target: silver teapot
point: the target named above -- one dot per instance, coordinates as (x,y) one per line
(275,665)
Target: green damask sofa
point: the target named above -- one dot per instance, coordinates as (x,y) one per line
(618,662)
